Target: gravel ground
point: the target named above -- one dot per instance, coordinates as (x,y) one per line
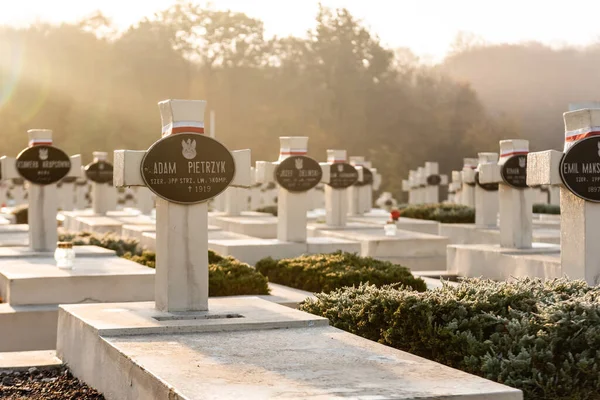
(44,384)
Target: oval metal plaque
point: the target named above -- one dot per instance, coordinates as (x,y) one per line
(43,165)
(434,180)
(99,172)
(342,175)
(367,177)
(187,168)
(488,187)
(580,169)
(514,172)
(298,173)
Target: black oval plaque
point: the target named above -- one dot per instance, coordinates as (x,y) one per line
(367,177)
(43,165)
(434,180)
(298,173)
(99,171)
(580,169)
(514,171)
(187,168)
(342,175)
(488,187)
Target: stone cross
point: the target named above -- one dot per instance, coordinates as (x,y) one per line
(82,188)
(291,206)
(144,199)
(43,199)
(580,218)
(181,282)
(66,194)
(468,182)
(356,192)
(413,181)
(104,195)
(17,192)
(433,181)
(516,225)
(336,200)
(455,187)
(486,201)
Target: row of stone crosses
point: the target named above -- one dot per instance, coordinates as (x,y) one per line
(185,169)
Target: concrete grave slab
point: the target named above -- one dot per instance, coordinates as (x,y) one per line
(129,351)
(494,262)
(23,360)
(93,279)
(80,251)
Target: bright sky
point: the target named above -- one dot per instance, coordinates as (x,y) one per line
(427,27)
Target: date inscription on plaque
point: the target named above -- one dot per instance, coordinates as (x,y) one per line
(342,176)
(187,168)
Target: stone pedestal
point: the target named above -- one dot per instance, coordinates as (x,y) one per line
(42,209)
(468,182)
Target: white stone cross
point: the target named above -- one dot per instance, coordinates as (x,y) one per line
(356,192)
(432,191)
(43,199)
(455,187)
(104,195)
(486,201)
(413,182)
(580,219)
(515,203)
(181,282)
(336,200)
(291,206)
(468,182)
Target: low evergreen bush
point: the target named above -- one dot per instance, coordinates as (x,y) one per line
(546,209)
(226,275)
(446,213)
(540,337)
(327,272)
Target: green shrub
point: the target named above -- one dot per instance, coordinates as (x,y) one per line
(446,213)
(540,337)
(327,272)
(21,214)
(268,210)
(230,277)
(226,275)
(546,209)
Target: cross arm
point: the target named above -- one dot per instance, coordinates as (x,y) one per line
(444,179)
(543,168)
(489,173)
(242,162)
(468,175)
(264,171)
(127,168)
(8,167)
(75,171)
(326,169)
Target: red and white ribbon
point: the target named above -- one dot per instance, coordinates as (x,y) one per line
(40,142)
(513,152)
(578,134)
(333,160)
(470,165)
(183,127)
(284,151)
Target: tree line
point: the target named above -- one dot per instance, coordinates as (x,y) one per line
(338,85)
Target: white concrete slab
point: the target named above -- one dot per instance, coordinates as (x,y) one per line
(469,234)
(251,250)
(495,262)
(23,360)
(80,251)
(26,328)
(130,351)
(33,281)
(405,224)
(417,251)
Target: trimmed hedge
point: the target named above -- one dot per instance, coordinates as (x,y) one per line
(546,209)
(227,276)
(327,272)
(540,337)
(446,213)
